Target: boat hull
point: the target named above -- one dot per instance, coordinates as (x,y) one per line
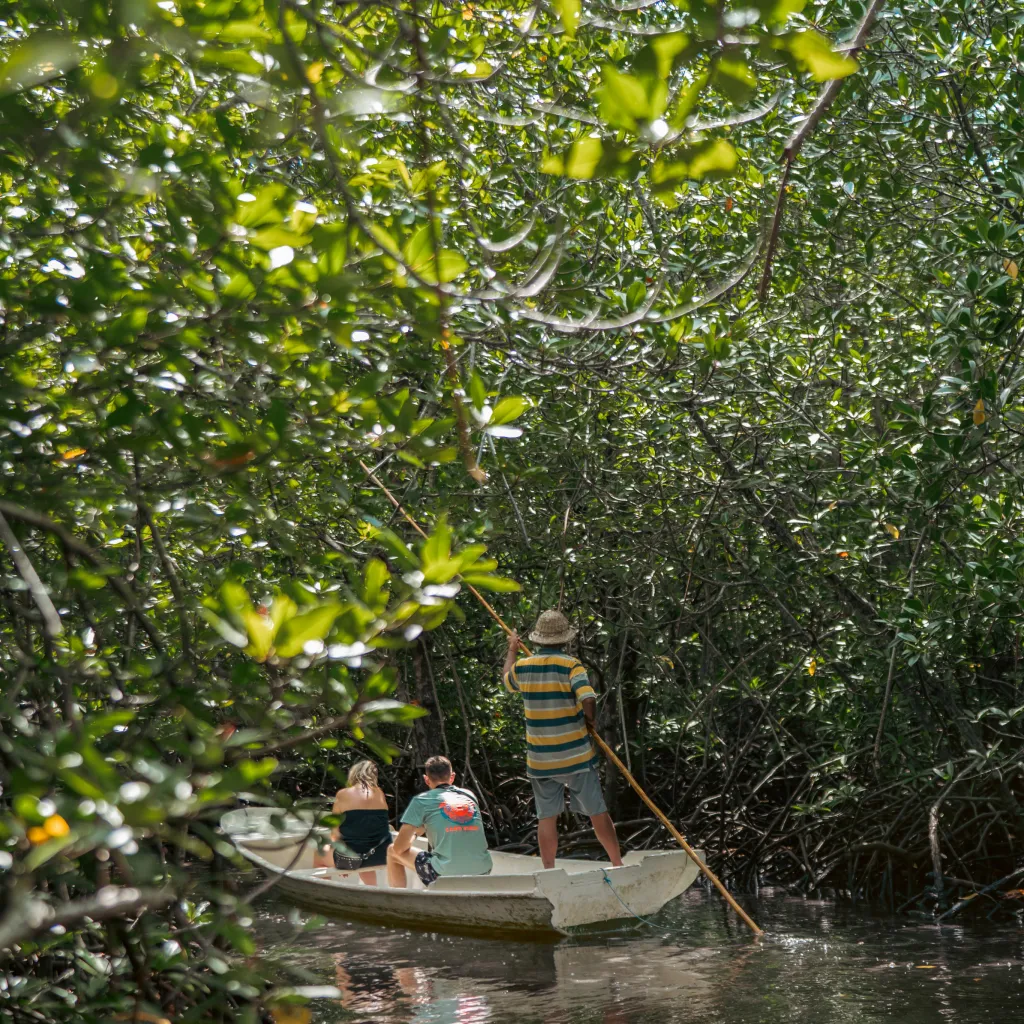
(519,896)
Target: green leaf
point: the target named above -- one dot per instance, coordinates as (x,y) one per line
(778,11)
(236,601)
(734,78)
(39,855)
(77,783)
(258,627)
(669,51)
(583,158)
(470,558)
(623,100)
(237,32)
(451,264)
(127,325)
(42,57)
(477,391)
(507,410)
(689,96)
(592,158)
(419,249)
(393,711)
(282,609)
(636,295)
(232,60)
(396,546)
(268,206)
(312,625)
(225,628)
(437,548)
(375,581)
(239,287)
(418,253)
(86,579)
(714,158)
(569,13)
(499,584)
(272,237)
(384,239)
(813,52)
(100,725)
(552,163)
(26,806)
(295,25)
(253,771)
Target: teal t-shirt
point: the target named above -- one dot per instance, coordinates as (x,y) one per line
(454,829)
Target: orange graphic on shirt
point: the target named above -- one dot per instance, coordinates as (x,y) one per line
(457,808)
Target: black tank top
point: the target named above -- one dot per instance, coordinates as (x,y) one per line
(364,830)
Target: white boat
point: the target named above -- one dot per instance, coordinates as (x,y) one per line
(517,896)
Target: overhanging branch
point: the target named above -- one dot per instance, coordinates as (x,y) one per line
(800,136)
(30,915)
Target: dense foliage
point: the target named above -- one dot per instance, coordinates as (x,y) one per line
(536,268)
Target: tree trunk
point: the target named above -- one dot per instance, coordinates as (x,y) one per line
(427,734)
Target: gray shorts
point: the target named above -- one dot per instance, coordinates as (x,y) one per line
(585,796)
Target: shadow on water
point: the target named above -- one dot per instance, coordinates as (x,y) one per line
(819,964)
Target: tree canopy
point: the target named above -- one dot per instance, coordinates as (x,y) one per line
(701,320)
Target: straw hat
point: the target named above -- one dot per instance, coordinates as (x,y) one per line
(552,628)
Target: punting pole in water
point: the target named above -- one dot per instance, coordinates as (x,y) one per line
(609,753)
(614,758)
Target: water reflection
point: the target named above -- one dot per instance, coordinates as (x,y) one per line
(819,965)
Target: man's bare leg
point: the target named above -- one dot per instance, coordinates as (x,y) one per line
(547,840)
(604,828)
(397,863)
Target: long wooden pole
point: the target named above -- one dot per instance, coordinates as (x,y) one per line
(608,752)
(691,853)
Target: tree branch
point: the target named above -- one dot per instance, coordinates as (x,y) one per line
(800,136)
(71,543)
(51,620)
(172,576)
(30,915)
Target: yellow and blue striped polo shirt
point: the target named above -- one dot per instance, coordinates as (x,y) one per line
(554,687)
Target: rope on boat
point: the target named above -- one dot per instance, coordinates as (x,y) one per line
(620,899)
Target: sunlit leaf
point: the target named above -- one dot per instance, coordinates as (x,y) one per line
(623,101)
(508,409)
(488,582)
(813,52)
(40,58)
(296,632)
(569,13)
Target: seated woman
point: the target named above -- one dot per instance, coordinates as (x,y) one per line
(364,827)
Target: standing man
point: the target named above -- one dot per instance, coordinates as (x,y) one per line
(560,704)
(453,826)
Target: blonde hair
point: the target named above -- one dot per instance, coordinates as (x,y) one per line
(364,774)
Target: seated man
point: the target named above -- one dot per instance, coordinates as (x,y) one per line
(453,826)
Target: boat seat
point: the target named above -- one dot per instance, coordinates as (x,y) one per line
(487,883)
(275,842)
(330,874)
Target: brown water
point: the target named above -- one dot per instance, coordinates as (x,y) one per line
(819,964)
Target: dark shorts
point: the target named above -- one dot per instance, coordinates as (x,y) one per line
(425,869)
